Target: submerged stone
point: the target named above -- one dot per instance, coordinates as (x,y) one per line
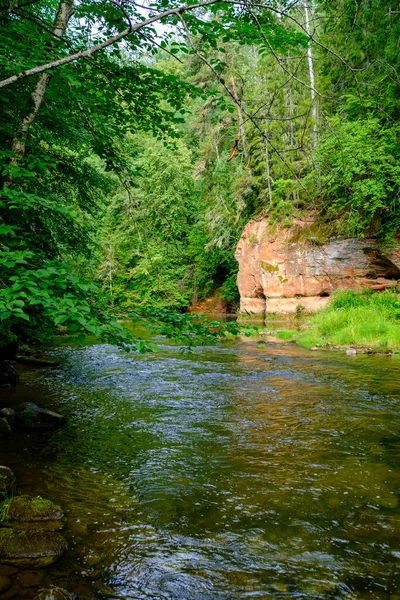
(7,480)
(23,509)
(30,417)
(7,570)
(55,593)
(5,429)
(4,583)
(30,579)
(31,549)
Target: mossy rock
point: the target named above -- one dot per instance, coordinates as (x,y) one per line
(5,429)
(55,593)
(7,481)
(31,549)
(30,417)
(24,509)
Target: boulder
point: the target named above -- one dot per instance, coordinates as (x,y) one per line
(283,268)
(30,417)
(55,593)
(5,429)
(8,375)
(23,509)
(31,549)
(7,413)
(7,481)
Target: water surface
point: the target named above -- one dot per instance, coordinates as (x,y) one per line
(234,472)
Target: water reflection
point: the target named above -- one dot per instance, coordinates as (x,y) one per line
(235,472)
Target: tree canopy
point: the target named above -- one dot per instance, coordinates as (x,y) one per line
(138,139)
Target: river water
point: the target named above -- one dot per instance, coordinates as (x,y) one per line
(237,471)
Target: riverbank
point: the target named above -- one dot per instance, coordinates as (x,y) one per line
(369,321)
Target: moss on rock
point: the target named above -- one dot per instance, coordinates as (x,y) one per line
(31,549)
(23,509)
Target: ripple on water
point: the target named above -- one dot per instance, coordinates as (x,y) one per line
(229,473)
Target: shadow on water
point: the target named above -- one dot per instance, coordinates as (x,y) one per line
(233,472)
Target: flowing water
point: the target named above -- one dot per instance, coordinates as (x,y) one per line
(235,472)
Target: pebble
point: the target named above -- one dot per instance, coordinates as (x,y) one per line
(4,583)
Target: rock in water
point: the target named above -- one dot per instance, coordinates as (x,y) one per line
(5,429)
(23,509)
(29,579)
(7,481)
(55,593)
(30,417)
(351,352)
(7,413)
(4,583)
(31,549)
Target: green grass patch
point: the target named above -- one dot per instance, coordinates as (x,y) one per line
(368,319)
(286,335)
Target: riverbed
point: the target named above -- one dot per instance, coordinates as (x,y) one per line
(237,471)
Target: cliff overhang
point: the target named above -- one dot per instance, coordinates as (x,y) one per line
(287,269)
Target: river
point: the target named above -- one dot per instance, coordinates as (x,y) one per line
(237,471)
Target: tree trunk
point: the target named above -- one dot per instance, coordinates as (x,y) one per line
(314,114)
(18,145)
(241,132)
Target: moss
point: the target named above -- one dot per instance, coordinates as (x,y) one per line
(268,267)
(31,548)
(253,240)
(24,509)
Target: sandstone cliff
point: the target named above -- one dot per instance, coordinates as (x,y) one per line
(282,268)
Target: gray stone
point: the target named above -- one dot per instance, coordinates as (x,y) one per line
(351,352)
(30,417)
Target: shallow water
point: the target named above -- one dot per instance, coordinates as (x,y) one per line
(234,472)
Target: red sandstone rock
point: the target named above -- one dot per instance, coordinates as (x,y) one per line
(282,268)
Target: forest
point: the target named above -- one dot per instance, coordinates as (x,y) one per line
(137,140)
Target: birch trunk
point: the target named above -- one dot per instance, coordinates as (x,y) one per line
(18,145)
(241,132)
(314,114)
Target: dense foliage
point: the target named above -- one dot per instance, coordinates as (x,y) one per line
(130,170)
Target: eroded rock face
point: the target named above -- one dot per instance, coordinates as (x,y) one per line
(282,268)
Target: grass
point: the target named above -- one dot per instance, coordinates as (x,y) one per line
(368,320)
(5,505)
